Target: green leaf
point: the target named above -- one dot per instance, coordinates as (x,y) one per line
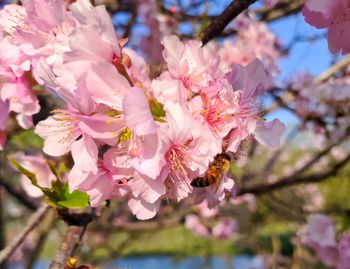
(157,109)
(75,199)
(58,195)
(27,173)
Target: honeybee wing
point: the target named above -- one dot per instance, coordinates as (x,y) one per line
(218,179)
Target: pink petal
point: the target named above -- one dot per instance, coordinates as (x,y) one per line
(85,154)
(137,113)
(143,210)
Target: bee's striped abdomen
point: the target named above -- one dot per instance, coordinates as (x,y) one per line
(200,182)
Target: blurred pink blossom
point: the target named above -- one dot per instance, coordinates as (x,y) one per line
(332,14)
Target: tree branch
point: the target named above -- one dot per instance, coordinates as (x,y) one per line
(281,10)
(259,189)
(34,220)
(68,247)
(221,21)
(19,195)
(77,224)
(333,70)
(43,232)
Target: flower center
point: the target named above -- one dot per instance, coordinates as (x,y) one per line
(67,123)
(176,158)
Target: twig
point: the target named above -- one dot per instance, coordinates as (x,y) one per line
(69,245)
(281,10)
(131,22)
(32,223)
(333,70)
(43,232)
(270,163)
(259,189)
(77,224)
(19,195)
(221,21)
(320,154)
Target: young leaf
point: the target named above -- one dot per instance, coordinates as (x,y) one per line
(75,199)
(27,173)
(58,195)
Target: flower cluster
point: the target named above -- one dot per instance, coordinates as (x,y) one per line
(224,227)
(159,25)
(331,103)
(253,39)
(334,15)
(222,230)
(319,234)
(130,136)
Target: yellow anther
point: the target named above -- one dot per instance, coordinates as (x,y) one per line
(125,135)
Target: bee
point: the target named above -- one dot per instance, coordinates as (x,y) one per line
(215,173)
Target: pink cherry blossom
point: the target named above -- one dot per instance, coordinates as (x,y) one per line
(130,135)
(319,234)
(193,223)
(269,133)
(253,40)
(188,63)
(61,130)
(145,192)
(319,231)
(332,14)
(190,148)
(100,184)
(247,119)
(344,252)
(137,113)
(205,211)
(224,228)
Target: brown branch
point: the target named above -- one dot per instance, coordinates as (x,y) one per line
(142,226)
(43,232)
(281,10)
(70,243)
(19,195)
(270,163)
(333,70)
(131,22)
(282,101)
(34,220)
(259,189)
(221,21)
(322,153)
(77,224)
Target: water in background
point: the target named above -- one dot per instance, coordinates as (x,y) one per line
(240,262)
